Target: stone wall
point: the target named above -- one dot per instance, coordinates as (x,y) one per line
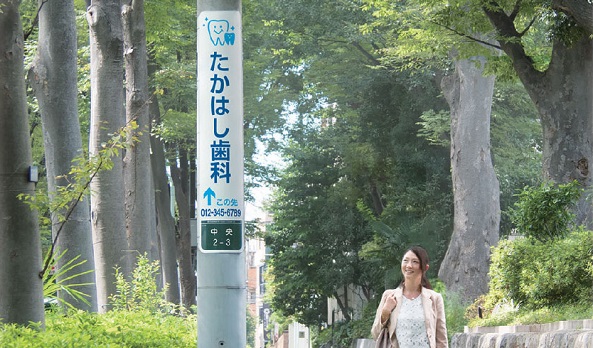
(564,334)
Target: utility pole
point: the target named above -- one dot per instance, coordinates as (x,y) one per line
(221,290)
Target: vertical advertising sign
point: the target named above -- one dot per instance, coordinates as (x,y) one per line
(220,132)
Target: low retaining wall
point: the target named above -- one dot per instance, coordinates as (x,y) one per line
(563,334)
(363,343)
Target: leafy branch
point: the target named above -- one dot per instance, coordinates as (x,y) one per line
(83,171)
(56,281)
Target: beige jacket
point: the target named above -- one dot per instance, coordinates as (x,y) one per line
(434,317)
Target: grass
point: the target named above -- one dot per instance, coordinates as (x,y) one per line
(525,316)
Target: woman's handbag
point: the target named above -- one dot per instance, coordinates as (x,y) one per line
(383,339)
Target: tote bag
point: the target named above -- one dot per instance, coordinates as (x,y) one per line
(383,339)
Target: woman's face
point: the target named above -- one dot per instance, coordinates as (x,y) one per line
(411,268)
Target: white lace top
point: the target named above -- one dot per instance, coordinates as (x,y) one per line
(411,329)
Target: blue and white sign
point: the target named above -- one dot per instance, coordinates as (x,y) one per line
(220,132)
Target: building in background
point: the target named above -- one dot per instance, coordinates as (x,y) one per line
(267,333)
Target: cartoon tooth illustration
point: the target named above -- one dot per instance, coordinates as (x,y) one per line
(229,38)
(217,30)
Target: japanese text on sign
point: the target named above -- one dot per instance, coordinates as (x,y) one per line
(220,129)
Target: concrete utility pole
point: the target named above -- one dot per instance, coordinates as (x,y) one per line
(221,257)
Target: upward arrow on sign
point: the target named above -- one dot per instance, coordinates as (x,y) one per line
(209,194)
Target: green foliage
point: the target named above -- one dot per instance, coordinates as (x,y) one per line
(141,292)
(455,308)
(436,127)
(55,282)
(527,316)
(317,231)
(536,274)
(343,333)
(140,318)
(251,329)
(171,31)
(177,127)
(357,176)
(132,329)
(544,212)
(56,207)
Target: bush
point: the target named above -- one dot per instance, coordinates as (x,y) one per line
(522,316)
(544,212)
(536,274)
(454,313)
(141,291)
(113,329)
(140,318)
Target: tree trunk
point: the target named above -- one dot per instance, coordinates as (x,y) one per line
(107,117)
(54,79)
(180,177)
(21,288)
(137,176)
(564,99)
(165,221)
(475,186)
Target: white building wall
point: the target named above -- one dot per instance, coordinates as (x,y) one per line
(298,336)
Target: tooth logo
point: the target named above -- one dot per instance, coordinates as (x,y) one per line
(220,32)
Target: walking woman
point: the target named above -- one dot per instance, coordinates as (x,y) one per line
(413,312)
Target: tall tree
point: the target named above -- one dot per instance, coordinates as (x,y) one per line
(137,176)
(561,92)
(173,54)
(475,186)
(21,287)
(318,232)
(549,47)
(165,221)
(107,117)
(331,70)
(180,176)
(54,78)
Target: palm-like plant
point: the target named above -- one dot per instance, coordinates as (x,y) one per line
(59,279)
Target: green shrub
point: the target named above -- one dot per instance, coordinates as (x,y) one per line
(140,318)
(454,313)
(141,291)
(544,212)
(129,329)
(536,274)
(523,316)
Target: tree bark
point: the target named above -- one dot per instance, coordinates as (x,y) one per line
(21,288)
(107,117)
(475,187)
(54,79)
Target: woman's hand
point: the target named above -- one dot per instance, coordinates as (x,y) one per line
(390,303)
(388,307)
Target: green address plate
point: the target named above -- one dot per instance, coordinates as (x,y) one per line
(221,236)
